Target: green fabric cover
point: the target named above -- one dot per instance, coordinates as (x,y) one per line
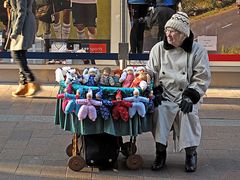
(70,122)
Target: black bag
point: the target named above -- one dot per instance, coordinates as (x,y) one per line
(102,150)
(45,11)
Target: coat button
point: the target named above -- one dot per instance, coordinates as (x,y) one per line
(180,89)
(163,73)
(183,73)
(160,82)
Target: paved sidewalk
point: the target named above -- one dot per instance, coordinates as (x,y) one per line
(33,148)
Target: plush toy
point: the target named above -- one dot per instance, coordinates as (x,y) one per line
(150,104)
(137,104)
(117,74)
(88,107)
(91,76)
(142,79)
(127,77)
(72,106)
(103,110)
(66,96)
(120,107)
(72,76)
(106,79)
(60,73)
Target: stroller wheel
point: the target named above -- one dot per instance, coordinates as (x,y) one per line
(134,162)
(76,163)
(69,150)
(128,149)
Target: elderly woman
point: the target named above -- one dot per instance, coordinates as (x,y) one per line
(181,73)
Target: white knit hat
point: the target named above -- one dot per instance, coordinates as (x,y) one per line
(180,22)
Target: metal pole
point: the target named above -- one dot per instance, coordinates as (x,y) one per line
(123,45)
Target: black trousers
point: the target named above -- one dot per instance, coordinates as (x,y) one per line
(137,14)
(25,74)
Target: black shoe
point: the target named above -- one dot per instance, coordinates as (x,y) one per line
(159,161)
(191,162)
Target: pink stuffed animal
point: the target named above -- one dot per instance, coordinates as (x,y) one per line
(88,107)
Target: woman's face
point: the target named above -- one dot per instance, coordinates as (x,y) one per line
(174,37)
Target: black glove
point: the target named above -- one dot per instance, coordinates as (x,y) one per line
(186,105)
(157,92)
(157,100)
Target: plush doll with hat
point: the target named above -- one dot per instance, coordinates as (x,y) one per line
(120,107)
(127,77)
(88,107)
(91,76)
(106,79)
(103,110)
(117,74)
(138,105)
(142,79)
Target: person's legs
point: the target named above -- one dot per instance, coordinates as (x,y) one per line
(161,155)
(191,159)
(133,37)
(27,85)
(57,26)
(133,13)
(66,24)
(137,15)
(25,73)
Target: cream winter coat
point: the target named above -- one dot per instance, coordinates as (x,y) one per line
(183,70)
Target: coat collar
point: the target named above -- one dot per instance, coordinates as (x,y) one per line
(186,45)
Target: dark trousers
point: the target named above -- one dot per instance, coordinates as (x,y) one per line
(25,74)
(137,14)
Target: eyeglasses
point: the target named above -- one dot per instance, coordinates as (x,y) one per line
(171,31)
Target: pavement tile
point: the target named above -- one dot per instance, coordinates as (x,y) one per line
(4,176)
(21,135)
(11,154)
(85,174)
(16,144)
(8,166)
(42,133)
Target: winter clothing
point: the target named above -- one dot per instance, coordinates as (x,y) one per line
(23,25)
(183,72)
(180,22)
(22,34)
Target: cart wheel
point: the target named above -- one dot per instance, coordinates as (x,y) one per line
(76,163)
(134,162)
(128,149)
(69,150)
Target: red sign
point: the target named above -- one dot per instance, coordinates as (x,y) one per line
(98,48)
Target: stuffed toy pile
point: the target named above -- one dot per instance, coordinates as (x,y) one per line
(117,95)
